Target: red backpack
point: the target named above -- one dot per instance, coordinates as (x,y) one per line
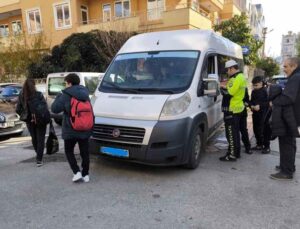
(81,115)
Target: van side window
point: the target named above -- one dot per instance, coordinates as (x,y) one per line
(211,68)
(221,67)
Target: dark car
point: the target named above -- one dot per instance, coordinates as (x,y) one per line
(11,92)
(279,80)
(9,120)
(4,85)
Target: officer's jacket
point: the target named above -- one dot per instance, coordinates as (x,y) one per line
(236,87)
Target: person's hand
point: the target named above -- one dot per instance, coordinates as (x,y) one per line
(223,84)
(271,104)
(256,108)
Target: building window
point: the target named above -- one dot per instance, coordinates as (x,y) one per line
(84,15)
(106,13)
(16,27)
(287,41)
(155,9)
(122,8)
(34,23)
(4,30)
(62,15)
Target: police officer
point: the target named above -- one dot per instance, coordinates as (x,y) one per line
(233,107)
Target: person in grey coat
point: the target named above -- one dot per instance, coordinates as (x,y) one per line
(290,97)
(62,103)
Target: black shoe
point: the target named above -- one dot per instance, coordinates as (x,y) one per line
(227,158)
(281,176)
(277,168)
(39,163)
(248,151)
(266,151)
(257,147)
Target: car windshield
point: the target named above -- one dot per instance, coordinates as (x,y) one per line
(91,83)
(151,72)
(56,85)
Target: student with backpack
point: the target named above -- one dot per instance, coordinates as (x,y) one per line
(77,123)
(32,108)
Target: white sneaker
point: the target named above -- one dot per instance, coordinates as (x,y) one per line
(86,178)
(77,177)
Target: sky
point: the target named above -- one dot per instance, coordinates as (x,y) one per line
(281,16)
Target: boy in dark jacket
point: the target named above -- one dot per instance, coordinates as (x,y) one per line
(62,103)
(259,105)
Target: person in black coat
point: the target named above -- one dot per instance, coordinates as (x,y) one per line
(37,131)
(62,103)
(259,105)
(287,124)
(244,126)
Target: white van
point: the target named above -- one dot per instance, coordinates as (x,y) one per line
(55,84)
(159,99)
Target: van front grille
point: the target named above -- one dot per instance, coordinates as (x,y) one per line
(118,133)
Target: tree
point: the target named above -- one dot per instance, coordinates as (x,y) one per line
(19,54)
(237,30)
(81,52)
(269,65)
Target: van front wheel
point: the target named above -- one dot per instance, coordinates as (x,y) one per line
(195,148)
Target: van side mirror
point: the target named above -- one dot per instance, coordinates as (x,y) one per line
(211,87)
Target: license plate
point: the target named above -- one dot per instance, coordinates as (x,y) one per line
(7,124)
(114,152)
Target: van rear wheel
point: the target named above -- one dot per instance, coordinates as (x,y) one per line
(196,148)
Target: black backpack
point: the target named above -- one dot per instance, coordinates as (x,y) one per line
(38,109)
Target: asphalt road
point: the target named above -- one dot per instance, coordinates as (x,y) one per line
(124,195)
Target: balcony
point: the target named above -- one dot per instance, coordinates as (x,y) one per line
(231,8)
(9,5)
(130,23)
(181,16)
(212,5)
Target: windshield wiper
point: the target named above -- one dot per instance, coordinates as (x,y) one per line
(165,91)
(121,88)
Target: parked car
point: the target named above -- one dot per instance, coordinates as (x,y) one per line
(41,88)
(11,92)
(10,122)
(3,85)
(279,79)
(55,84)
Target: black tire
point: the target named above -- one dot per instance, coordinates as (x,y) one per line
(58,121)
(196,148)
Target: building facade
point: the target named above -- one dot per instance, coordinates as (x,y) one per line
(57,19)
(289,45)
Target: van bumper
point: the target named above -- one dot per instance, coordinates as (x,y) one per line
(167,145)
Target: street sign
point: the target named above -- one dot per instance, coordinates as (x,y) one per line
(246,50)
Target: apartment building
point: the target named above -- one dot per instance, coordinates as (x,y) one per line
(57,19)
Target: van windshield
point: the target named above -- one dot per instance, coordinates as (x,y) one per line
(91,83)
(164,72)
(56,85)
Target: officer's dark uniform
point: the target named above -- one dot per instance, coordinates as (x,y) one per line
(232,107)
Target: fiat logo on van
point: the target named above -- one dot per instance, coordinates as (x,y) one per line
(116,133)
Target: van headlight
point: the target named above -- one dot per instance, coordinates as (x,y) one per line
(176,106)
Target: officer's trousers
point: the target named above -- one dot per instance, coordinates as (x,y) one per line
(232,131)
